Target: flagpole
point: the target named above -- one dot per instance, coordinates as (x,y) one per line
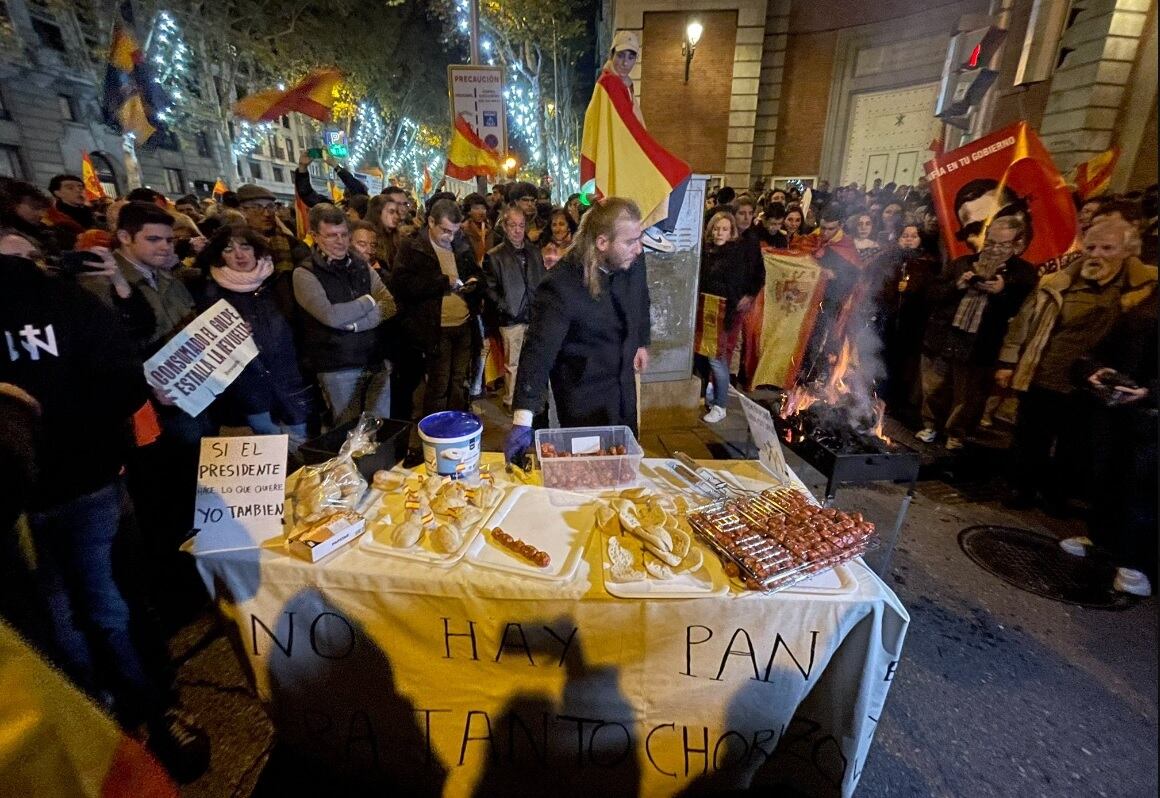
(480,180)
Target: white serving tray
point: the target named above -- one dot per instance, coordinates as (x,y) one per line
(708,580)
(424,552)
(554,521)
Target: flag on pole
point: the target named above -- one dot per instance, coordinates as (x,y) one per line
(93,188)
(336,193)
(301,219)
(312,96)
(620,154)
(427,184)
(132,99)
(468,156)
(219,188)
(1094,176)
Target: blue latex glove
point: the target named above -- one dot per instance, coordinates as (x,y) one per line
(519,439)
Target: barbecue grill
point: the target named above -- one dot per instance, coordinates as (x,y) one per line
(846,456)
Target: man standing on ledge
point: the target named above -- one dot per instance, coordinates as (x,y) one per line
(589,329)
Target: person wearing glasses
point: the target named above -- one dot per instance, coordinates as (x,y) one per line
(344,304)
(258,205)
(971,304)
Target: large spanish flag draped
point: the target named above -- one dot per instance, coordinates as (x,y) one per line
(468,156)
(313,96)
(620,154)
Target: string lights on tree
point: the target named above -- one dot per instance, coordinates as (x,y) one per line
(248,137)
(170,59)
(368,135)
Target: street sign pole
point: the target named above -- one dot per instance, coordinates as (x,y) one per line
(480,180)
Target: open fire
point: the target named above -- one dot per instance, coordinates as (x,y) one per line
(839,410)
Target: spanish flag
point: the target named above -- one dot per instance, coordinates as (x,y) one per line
(468,156)
(620,154)
(93,188)
(301,219)
(313,96)
(132,97)
(1094,176)
(219,188)
(427,184)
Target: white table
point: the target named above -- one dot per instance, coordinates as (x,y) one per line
(465,681)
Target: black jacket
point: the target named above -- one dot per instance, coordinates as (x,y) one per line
(586,344)
(419,285)
(305,189)
(325,348)
(511,285)
(731,271)
(82,368)
(943,339)
(271,382)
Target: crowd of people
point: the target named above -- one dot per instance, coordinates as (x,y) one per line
(395,306)
(958,338)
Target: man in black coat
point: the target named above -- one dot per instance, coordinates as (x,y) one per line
(438,291)
(971,304)
(70,354)
(589,329)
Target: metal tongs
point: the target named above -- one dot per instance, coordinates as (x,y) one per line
(705,481)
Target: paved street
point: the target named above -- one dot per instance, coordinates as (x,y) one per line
(999,693)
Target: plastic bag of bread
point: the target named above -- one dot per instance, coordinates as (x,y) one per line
(335,484)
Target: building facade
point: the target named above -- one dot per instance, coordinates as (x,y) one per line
(845,90)
(52,60)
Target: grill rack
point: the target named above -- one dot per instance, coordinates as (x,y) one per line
(730,515)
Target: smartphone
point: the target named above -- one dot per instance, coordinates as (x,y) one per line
(78,262)
(314,152)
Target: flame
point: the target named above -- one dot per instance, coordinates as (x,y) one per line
(879,420)
(837,386)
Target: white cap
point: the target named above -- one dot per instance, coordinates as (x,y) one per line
(626,40)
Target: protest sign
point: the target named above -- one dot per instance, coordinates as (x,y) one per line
(203,359)
(241,492)
(765,436)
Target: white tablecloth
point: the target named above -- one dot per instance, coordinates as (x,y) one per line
(466,681)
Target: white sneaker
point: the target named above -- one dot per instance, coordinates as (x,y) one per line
(927,435)
(716,413)
(653,238)
(1076,546)
(1130,581)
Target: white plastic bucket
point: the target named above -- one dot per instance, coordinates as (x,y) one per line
(451,442)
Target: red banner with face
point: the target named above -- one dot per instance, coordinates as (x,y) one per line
(1007,173)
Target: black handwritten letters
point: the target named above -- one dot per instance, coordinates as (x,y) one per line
(739,652)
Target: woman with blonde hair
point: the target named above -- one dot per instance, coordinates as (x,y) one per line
(729,273)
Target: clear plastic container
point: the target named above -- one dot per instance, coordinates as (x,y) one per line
(577,464)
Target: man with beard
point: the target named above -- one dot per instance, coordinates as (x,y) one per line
(258,206)
(589,329)
(1060,322)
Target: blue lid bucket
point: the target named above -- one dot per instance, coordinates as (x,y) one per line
(451,443)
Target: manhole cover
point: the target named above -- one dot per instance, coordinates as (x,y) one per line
(1033,561)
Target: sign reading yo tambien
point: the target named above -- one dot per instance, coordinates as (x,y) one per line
(203,359)
(241,491)
(477,93)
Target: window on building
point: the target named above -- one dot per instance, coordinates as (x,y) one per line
(289,149)
(315,170)
(3,108)
(233,131)
(241,169)
(279,174)
(174,181)
(202,140)
(45,24)
(10,162)
(67,106)
(285,121)
(255,170)
(274,147)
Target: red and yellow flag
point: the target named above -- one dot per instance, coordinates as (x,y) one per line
(468,156)
(313,96)
(93,188)
(1094,176)
(219,188)
(427,183)
(620,154)
(301,219)
(336,194)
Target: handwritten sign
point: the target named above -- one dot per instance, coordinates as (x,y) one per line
(203,359)
(765,436)
(241,492)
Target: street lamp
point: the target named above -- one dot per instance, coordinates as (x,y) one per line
(693,33)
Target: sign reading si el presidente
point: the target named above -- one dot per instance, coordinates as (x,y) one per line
(477,93)
(203,359)
(241,492)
